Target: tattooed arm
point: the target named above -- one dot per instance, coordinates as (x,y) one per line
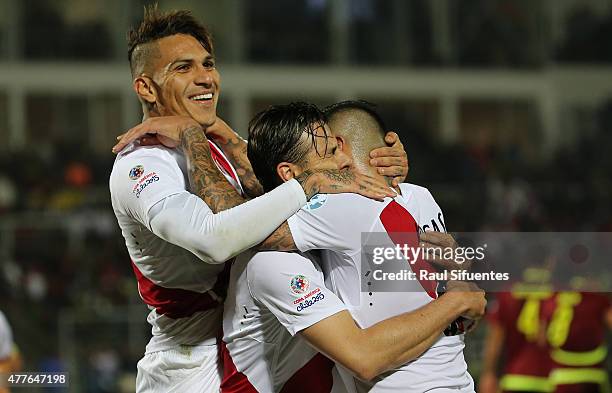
(206,180)
(235,148)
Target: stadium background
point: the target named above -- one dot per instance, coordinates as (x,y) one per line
(504,107)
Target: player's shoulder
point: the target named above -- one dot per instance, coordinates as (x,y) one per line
(418,193)
(268,271)
(135,152)
(265,264)
(410,189)
(342,202)
(134,160)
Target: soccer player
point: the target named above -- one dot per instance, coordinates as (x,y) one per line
(577,324)
(278,295)
(513,338)
(177,241)
(10,360)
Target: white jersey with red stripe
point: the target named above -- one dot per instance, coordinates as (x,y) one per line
(175,284)
(271,297)
(340,224)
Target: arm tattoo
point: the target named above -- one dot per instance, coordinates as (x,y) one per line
(236,150)
(206,180)
(280,240)
(335,179)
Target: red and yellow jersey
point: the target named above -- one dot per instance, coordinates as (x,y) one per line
(527,362)
(576,332)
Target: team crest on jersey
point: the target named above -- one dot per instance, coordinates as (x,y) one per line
(299,284)
(136,172)
(316,202)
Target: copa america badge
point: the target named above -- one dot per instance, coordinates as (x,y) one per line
(136,172)
(299,284)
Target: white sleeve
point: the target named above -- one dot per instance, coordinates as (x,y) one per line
(142,179)
(6,338)
(152,190)
(289,285)
(185,220)
(332,222)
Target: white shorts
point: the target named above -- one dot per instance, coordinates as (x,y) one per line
(192,369)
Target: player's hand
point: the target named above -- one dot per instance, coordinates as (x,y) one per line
(391,160)
(439,246)
(220,131)
(335,181)
(166,130)
(471,297)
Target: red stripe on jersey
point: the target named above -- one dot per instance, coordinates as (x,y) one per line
(404,231)
(172,302)
(314,377)
(233,380)
(217,155)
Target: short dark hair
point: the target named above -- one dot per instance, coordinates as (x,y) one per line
(362,105)
(156,25)
(275,136)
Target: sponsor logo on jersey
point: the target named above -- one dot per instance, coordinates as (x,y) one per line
(310,302)
(144,182)
(136,172)
(316,202)
(307,296)
(299,284)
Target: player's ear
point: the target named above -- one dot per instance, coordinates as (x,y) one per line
(341,142)
(286,171)
(145,89)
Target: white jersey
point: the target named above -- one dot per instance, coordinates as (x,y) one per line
(176,285)
(272,296)
(6,338)
(336,224)
(178,246)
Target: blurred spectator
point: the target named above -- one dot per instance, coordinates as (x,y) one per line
(8,194)
(103,371)
(36,285)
